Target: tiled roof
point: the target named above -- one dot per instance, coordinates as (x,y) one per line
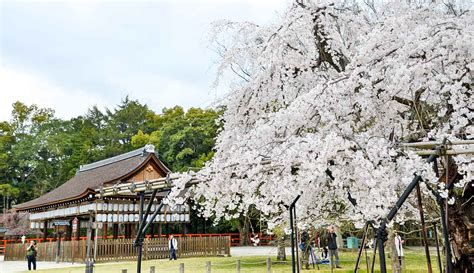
(92,176)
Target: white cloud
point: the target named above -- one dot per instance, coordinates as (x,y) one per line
(31,88)
(154,90)
(96,52)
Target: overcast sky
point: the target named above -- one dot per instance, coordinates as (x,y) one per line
(70,55)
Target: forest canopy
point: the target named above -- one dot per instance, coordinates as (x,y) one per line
(39,151)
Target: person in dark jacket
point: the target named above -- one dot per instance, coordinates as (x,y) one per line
(305,248)
(31,252)
(172,246)
(332,245)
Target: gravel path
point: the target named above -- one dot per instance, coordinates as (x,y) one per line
(237,251)
(19,266)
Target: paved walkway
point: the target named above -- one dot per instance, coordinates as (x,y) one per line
(237,251)
(19,266)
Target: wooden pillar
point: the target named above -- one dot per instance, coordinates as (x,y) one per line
(159,231)
(69,231)
(105,231)
(152,230)
(185,228)
(133,230)
(115,229)
(128,231)
(45,230)
(78,232)
(89,239)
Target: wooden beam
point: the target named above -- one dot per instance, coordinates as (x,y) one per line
(447,152)
(133,187)
(166,183)
(432,144)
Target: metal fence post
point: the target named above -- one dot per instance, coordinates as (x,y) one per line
(238,266)
(269,265)
(208,267)
(181,268)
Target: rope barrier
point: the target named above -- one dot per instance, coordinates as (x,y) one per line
(234,263)
(255,263)
(194,266)
(225,264)
(413,231)
(280,262)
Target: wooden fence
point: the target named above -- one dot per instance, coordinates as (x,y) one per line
(69,251)
(122,249)
(265,239)
(3,245)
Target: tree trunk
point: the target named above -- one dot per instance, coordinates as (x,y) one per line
(244,232)
(460,220)
(339,241)
(281,254)
(396,267)
(461,233)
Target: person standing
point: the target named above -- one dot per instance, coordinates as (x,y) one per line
(305,248)
(31,252)
(332,245)
(399,246)
(173,246)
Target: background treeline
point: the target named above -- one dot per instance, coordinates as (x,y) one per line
(39,152)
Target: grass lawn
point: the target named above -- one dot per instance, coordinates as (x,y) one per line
(414,260)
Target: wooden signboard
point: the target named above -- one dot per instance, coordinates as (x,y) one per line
(74,225)
(60,226)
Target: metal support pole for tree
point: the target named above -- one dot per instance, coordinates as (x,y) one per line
(381,232)
(292,238)
(444,224)
(381,238)
(435,230)
(296,240)
(292,235)
(144,223)
(440,201)
(139,241)
(373,256)
(423,228)
(367,260)
(449,264)
(366,229)
(148,209)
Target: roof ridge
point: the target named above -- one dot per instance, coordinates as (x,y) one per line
(147,149)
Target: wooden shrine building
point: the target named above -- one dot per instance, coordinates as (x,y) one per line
(115,215)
